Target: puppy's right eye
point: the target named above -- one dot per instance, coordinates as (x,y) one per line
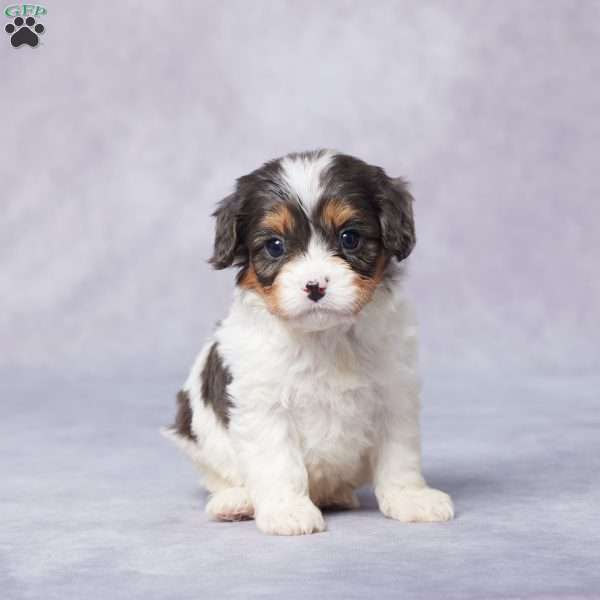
(274,247)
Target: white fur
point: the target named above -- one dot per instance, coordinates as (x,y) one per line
(303,176)
(230,504)
(317,265)
(322,405)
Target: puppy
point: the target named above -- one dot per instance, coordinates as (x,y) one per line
(308,389)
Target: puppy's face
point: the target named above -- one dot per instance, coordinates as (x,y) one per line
(313,235)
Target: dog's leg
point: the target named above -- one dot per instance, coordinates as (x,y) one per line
(400,488)
(230,504)
(269,451)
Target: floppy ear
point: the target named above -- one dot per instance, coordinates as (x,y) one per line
(396,217)
(227,230)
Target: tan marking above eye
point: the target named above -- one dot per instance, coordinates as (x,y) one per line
(279,219)
(338,212)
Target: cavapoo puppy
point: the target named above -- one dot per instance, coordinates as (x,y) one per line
(308,388)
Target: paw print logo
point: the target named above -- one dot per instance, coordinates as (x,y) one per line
(24,32)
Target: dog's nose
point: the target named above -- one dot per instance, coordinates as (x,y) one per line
(314,290)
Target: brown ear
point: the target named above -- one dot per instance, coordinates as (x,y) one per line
(396,217)
(227,232)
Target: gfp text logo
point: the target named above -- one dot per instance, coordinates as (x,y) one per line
(24,29)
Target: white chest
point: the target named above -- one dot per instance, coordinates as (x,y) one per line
(332,404)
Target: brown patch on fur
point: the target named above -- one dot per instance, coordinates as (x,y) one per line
(366,286)
(249,281)
(215,378)
(338,212)
(183,417)
(280,219)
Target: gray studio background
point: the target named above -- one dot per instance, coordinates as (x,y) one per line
(119,134)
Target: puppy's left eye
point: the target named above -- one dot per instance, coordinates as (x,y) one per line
(350,239)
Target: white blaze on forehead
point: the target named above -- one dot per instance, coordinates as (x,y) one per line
(317,248)
(302,174)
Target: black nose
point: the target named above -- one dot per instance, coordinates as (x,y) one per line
(315,292)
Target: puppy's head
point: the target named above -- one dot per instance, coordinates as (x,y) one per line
(313,235)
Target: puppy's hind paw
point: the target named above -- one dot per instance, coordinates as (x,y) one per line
(298,516)
(412,505)
(230,504)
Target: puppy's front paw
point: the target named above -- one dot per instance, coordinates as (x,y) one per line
(411,505)
(296,516)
